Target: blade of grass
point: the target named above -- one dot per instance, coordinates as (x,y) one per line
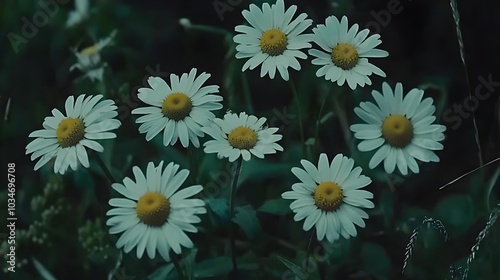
(456,17)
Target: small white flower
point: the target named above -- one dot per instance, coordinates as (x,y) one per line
(180,110)
(345,53)
(89,59)
(66,136)
(401,129)
(81,13)
(185,22)
(273,39)
(241,135)
(330,197)
(155,214)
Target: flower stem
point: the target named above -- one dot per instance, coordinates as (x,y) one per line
(318,123)
(246,93)
(308,252)
(177,265)
(234,184)
(104,168)
(339,104)
(192,164)
(297,100)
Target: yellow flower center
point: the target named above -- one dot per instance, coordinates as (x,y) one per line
(273,42)
(242,138)
(177,106)
(153,209)
(397,130)
(328,196)
(345,56)
(90,50)
(70,131)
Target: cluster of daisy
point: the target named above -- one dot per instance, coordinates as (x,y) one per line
(399,127)
(155,213)
(274,40)
(154,206)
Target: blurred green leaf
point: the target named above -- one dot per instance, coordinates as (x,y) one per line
(219,266)
(386,205)
(219,206)
(297,270)
(456,211)
(163,273)
(278,206)
(246,218)
(491,184)
(188,263)
(46,275)
(258,170)
(376,261)
(210,167)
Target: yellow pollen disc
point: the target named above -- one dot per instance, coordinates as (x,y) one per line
(345,56)
(273,42)
(90,50)
(242,138)
(177,106)
(153,209)
(397,130)
(70,131)
(328,196)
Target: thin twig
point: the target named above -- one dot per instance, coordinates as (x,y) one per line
(7,108)
(482,235)
(472,171)
(456,17)
(117,266)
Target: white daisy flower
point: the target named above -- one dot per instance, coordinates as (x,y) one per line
(66,136)
(81,13)
(241,135)
(180,110)
(330,197)
(154,215)
(89,59)
(401,129)
(345,53)
(273,39)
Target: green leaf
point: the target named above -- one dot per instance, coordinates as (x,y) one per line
(375,260)
(170,153)
(213,267)
(163,273)
(386,205)
(219,266)
(219,206)
(456,211)
(491,184)
(247,220)
(210,167)
(258,170)
(188,263)
(278,206)
(46,275)
(297,270)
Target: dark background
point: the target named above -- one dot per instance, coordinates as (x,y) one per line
(423,52)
